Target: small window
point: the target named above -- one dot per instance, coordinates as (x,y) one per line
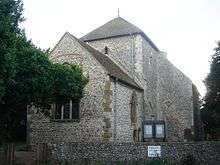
(67,111)
(150,60)
(106,50)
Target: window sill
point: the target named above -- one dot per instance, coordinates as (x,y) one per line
(153,139)
(65,120)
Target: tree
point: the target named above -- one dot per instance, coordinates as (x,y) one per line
(10,16)
(211,108)
(27,76)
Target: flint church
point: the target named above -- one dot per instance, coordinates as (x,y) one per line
(134,93)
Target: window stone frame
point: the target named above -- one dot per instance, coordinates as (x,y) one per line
(53,119)
(154,136)
(133,108)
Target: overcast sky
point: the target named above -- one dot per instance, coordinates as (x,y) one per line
(186,29)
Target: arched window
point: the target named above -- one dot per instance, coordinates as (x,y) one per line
(137,135)
(133,105)
(135,138)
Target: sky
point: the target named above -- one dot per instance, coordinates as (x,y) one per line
(186,29)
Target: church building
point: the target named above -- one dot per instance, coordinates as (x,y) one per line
(134,93)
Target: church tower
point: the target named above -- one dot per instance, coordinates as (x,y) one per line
(167,91)
(133,50)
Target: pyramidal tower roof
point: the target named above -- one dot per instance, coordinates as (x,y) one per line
(115,28)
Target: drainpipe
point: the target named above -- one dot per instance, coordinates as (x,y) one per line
(115,108)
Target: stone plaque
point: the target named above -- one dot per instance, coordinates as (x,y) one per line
(153,151)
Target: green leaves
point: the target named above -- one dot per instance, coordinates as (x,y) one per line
(211,110)
(27,76)
(68,82)
(41,82)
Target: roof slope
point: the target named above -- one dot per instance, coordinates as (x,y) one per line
(112,68)
(114,28)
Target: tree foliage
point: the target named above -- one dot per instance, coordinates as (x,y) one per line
(27,76)
(10,16)
(211,109)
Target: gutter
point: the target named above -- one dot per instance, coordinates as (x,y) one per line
(125,83)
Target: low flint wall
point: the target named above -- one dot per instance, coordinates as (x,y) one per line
(201,151)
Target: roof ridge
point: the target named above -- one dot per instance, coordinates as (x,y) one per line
(115,28)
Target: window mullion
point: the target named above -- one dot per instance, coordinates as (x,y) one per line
(53,112)
(154,130)
(71,109)
(62,112)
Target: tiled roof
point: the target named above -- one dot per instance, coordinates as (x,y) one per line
(112,68)
(114,28)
